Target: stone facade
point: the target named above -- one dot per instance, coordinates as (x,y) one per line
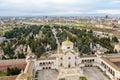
(68,63)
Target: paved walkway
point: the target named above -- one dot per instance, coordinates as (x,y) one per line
(93,73)
(55,33)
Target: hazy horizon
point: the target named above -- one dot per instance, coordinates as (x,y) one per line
(59,8)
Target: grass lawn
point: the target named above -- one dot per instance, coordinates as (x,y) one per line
(3,74)
(83,78)
(62,79)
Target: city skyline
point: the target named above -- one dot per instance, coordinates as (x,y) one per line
(59,8)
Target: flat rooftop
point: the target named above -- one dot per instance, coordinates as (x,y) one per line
(113,61)
(116,61)
(117,64)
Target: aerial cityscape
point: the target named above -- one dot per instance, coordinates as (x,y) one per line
(59,40)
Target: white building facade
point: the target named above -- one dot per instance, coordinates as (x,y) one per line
(68,62)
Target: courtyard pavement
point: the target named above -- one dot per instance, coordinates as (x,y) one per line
(93,73)
(47,75)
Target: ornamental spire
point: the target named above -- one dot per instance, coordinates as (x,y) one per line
(67,38)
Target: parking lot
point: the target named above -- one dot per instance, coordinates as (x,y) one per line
(93,73)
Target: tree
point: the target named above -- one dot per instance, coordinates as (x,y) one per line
(79,45)
(90,31)
(21,55)
(115,39)
(85,49)
(8,71)
(39,50)
(13,71)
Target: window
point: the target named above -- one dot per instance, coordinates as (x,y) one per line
(61,64)
(43,63)
(61,58)
(75,64)
(69,57)
(68,47)
(49,63)
(69,66)
(40,64)
(75,57)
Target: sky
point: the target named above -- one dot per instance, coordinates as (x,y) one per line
(59,7)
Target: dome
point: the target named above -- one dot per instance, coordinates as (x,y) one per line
(67,43)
